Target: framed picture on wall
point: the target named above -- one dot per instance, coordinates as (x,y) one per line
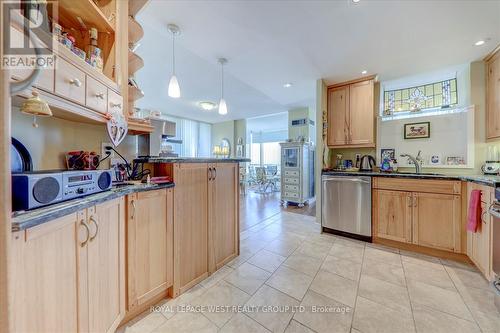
(387,154)
(417,130)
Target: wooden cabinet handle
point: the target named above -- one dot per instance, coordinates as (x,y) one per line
(409,200)
(209,174)
(82,222)
(215,172)
(132,216)
(93,220)
(75,82)
(99,95)
(415,201)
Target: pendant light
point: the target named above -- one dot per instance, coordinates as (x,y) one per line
(222,102)
(36,106)
(174,90)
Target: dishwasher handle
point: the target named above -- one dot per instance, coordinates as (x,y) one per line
(344,179)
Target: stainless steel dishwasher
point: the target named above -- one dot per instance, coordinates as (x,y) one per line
(346,206)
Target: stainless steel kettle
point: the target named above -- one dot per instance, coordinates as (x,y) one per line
(367,163)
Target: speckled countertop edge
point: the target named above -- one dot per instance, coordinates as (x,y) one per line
(31,218)
(189,160)
(480,179)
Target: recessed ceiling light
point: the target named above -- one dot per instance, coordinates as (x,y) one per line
(479,42)
(207,106)
(287,85)
(364,72)
(355,1)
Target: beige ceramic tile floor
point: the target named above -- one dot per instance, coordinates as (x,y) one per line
(334,284)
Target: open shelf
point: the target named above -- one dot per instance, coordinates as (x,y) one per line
(134,63)
(134,93)
(136,128)
(88,12)
(134,6)
(135,31)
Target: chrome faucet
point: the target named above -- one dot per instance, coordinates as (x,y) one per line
(416,160)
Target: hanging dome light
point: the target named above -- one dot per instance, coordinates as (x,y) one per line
(222,102)
(174,90)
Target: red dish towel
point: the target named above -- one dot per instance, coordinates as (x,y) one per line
(474,215)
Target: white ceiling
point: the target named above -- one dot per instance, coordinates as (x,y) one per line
(269,43)
(274,122)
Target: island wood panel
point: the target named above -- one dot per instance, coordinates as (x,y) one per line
(190,225)
(45,284)
(392,218)
(437,220)
(224,213)
(106,266)
(148,243)
(418,185)
(361,114)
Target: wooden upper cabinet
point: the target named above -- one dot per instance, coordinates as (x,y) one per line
(338,116)
(393,215)
(436,221)
(361,115)
(223,206)
(45,266)
(106,266)
(149,245)
(493,96)
(351,116)
(190,225)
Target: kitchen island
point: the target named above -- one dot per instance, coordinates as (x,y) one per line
(206,214)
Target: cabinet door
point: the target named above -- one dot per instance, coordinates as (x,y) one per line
(224,214)
(392,215)
(106,265)
(148,241)
(493,98)
(190,225)
(338,120)
(436,221)
(45,292)
(361,114)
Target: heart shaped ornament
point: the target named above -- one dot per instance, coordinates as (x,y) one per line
(117,127)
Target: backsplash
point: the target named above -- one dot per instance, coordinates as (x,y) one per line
(48,143)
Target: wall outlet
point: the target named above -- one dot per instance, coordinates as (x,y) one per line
(106,164)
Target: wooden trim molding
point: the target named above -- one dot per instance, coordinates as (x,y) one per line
(361,79)
(5,202)
(492,54)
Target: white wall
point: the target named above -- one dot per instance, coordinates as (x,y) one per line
(451,135)
(224,130)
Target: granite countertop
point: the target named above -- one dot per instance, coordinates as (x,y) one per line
(27,219)
(189,160)
(480,179)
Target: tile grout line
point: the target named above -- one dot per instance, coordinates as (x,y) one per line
(357,291)
(408,292)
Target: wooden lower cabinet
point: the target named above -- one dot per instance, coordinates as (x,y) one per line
(432,220)
(393,215)
(436,221)
(224,210)
(190,225)
(479,248)
(69,273)
(45,270)
(149,246)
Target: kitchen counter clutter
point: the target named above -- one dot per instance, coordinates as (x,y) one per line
(480,179)
(150,159)
(26,219)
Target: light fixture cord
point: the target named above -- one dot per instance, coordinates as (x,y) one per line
(222,81)
(173,54)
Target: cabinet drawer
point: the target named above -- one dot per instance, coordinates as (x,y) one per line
(289,180)
(97,95)
(294,188)
(291,195)
(418,185)
(45,80)
(115,102)
(293,173)
(70,82)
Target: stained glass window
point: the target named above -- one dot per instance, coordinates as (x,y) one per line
(441,94)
